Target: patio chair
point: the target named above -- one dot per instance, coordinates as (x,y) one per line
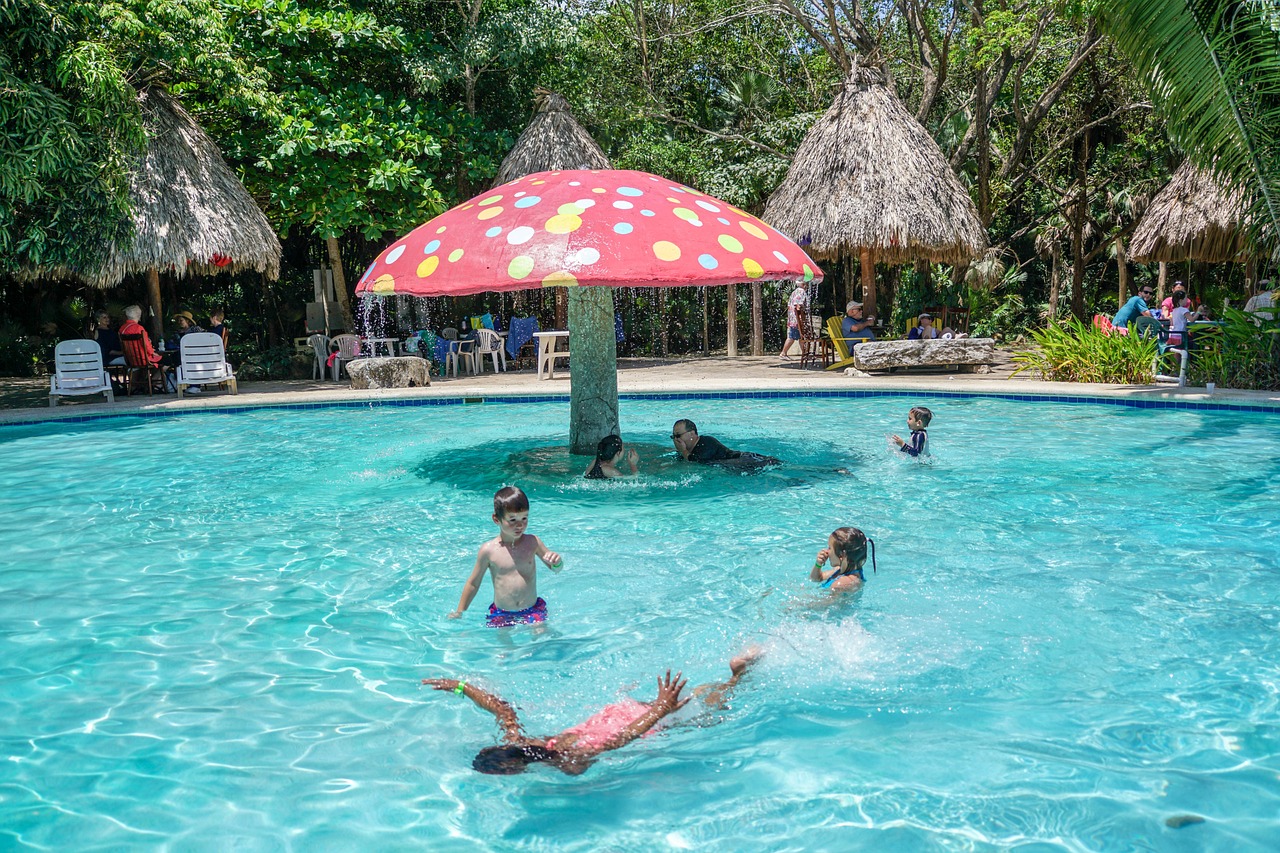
(138,359)
(204,362)
(809,350)
(348,350)
(488,342)
(320,347)
(1147,327)
(836,335)
(78,371)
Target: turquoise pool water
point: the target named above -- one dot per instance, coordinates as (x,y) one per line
(213,628)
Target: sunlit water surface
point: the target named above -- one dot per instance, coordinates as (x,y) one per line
(213,628)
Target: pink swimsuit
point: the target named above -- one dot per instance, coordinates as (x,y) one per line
(596,730)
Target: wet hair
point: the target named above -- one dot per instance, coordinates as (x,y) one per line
(687,424)
(509,760)
(509,499)
(852,543)
(921,414)
(608,448)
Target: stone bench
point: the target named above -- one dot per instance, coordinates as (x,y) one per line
(398,372)
(968,354)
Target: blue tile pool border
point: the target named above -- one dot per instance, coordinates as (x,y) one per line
(500,399)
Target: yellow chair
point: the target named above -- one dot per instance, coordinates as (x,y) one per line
(836,334)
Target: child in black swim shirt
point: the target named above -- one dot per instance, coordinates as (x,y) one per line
(917,421)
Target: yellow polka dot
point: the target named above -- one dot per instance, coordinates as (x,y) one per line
(536,183)
(691,191)
(428,266)
(561,278)
(441,229)
(751,268)
(685,213)
(570,209)
(489,213)
(599,190)
(520,266)
(673,200)
(730,244)
(484,202)
(466,207)
(665,251)
(384,284)
(754,230)
(563,224)
(454,255)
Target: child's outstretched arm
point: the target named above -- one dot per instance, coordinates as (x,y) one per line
(472,586)
(553,560)
(492,703)
(668,702)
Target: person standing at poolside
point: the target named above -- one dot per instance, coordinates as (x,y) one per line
(1133,309)
(799,299)
(509,559)
(709,451)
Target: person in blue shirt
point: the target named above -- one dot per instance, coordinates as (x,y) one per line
(1133,309)
(856,328)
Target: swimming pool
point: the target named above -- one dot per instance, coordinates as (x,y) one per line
(213,629)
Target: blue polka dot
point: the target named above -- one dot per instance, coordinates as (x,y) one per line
(646,213)
(722,220)
(528,201)
(494,231)
(631,191)
(368,272)
(708,262)
(431,247)
(622,228)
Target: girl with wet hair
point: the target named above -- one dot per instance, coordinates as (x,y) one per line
(608,454)
(846,549)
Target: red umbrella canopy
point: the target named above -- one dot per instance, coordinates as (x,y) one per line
(613,228)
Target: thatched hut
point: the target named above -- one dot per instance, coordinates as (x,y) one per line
(1192,219)
(191,214)
(869,181)
(553,140)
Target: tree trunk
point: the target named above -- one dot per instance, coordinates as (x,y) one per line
(1078,212)
(1122,267)
(153,296)
(706,321)
(868,285)
(593,383)
(1163,280)
(340,284)
(1055,280)
(757,319)
(850,282)
(731,320)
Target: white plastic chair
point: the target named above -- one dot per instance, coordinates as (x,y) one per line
(78,371)
(320,346)
(348,350)
(204,362)
(489,342)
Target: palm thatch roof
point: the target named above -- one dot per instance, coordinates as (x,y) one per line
(553,140)
(869,176)
(191,214)
(1192,218)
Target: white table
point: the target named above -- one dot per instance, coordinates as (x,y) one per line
(547,352)
(382,343)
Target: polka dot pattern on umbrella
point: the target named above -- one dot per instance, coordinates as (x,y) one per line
(615,228)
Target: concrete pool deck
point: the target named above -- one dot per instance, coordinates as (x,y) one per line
(26,400)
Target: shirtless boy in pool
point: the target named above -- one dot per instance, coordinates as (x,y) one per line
(573,750)
(509,559)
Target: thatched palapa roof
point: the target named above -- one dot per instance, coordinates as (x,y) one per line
(553,140)
(869,176)
(1192,218)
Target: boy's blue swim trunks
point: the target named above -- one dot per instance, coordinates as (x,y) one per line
(505,618)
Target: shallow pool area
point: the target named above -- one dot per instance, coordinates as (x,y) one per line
(213,628)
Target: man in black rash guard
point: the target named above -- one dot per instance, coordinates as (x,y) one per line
(709,451)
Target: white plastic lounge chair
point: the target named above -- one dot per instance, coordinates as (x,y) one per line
(489,342)
(78,371)
(204,362)
(320,346)
(348,350)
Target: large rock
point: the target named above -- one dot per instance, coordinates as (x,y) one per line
(398,372)
(884,355)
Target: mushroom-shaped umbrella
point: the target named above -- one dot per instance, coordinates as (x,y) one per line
(613,228)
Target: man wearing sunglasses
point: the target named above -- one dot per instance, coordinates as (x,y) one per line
(1133,309)
(707,450)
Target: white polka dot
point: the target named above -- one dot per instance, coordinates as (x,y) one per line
(520,235)
(584,203)
(781,257)
(706,205)
(575,183)
(583,257)
(519,194)
(394,254)
(623,205)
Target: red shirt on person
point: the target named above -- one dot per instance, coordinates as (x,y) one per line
(133,327)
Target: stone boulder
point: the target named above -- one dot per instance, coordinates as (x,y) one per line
(399,372)
(886,355)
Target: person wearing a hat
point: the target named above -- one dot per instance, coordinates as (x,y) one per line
(923,330)
(186,323)
(856,328)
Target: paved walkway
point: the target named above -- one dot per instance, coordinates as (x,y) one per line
(27,399)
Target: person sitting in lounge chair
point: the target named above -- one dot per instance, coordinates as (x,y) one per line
(856,328)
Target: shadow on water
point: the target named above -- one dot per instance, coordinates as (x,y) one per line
(554,471)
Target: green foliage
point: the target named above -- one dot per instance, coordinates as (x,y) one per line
(1245,354)
(1074,352)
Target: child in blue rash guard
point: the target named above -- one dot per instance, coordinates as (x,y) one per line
(509,560)
(847,551)
(918,422)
